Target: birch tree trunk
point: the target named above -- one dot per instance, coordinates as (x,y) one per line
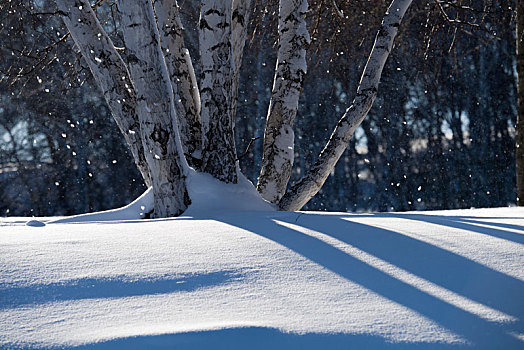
(278,149)
(109,72)
(308,186)
(519,154)
(240,21)
(157,116)
(219,153)
(183,80)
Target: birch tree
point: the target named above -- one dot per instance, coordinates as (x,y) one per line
(148,111)
(173,123)
(367,90)
(155,107)
(182,77)
(109,71)
(219,152)
(240,20)
(278,151)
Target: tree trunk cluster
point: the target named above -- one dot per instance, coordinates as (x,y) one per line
(172,123)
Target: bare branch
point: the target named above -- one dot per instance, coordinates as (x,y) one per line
(453,21)
(337,9)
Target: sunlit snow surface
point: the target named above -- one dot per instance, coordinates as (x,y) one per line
(233,279)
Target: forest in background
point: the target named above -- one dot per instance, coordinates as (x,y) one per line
(439,136)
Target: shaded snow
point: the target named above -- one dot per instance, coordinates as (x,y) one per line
(266,279)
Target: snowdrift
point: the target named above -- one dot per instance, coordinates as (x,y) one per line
(258,279)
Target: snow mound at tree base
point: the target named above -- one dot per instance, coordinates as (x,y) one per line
(210,197)
(138,209)
(267,280)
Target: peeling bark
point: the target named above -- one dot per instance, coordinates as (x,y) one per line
(219,153)
(158,120)
(308,186)
(278,149)
(110,73)
(183,80)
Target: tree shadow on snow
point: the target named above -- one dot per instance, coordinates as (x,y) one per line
(466,223)
(254,338)
(474,220)
(116,287)
(442,267)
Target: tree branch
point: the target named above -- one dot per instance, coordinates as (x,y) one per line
(291,68)
(156,112)
(253,139)
(310,184)
(109,71)
(182,76)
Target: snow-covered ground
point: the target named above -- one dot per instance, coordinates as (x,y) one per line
(264,279)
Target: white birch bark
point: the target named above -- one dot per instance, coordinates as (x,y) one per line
(109,72)
(240,21)
(159,130)
(219,153)
(278,149)
(308,186)
(182,76)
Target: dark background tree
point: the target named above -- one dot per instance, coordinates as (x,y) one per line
(520,113)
